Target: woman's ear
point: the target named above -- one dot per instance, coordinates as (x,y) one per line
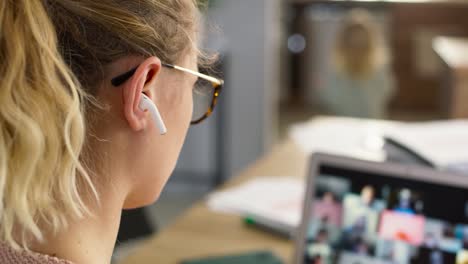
(141,81)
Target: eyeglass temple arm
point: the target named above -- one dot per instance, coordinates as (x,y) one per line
(201,75)
(119,80)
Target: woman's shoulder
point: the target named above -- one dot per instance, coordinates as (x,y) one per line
(9,255)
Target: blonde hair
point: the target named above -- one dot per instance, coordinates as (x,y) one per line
(53,55)
(376,53)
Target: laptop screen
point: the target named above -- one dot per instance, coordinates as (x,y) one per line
(366,218)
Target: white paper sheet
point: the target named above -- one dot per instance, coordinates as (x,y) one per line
(278,199)
(357,138)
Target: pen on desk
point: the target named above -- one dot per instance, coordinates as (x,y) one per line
(268,227)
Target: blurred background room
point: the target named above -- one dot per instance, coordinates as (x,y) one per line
(289,61)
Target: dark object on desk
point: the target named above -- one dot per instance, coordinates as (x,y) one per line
(267,226)
(399,153)
(259,257)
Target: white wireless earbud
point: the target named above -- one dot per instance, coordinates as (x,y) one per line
(147,104)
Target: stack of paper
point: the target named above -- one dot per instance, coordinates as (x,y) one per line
(277,200)
(444,144)
(357,138)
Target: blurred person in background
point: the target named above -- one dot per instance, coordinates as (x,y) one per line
(360,83)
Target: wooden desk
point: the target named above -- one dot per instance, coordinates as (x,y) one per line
(201,232)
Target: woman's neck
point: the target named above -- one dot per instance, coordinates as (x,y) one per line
(91,239)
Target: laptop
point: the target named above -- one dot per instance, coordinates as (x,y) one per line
(364,212)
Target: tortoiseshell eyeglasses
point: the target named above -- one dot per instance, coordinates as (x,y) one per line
(205,92)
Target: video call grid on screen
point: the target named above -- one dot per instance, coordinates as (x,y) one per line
(360,217)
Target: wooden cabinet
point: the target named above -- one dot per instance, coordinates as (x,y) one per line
(454,79)
(420,89)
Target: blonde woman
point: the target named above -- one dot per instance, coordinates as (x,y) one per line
(75,145)
(360,83)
